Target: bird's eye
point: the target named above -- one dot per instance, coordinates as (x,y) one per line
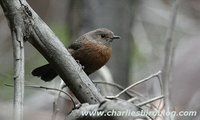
(103,36)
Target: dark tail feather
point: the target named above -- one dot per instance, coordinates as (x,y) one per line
(41,70)
(46,72)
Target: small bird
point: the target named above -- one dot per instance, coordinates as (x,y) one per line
(92,50)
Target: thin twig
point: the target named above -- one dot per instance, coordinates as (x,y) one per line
(114,85)
(130,92)
(135,84)
(161,88)
(168,61)
(150,101)
(133,99)
(56,109)
(48,88)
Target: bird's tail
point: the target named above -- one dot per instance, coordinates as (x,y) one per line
(45,72)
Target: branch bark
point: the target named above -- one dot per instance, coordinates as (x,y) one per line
(18,52)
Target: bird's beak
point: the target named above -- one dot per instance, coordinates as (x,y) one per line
(115,37)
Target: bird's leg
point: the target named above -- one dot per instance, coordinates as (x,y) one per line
(80,64)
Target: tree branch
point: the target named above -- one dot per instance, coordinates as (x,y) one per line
(17,28)
(168,61)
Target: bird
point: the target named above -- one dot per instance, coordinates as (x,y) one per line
(92,50)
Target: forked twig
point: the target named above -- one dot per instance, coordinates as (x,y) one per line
(133,85)
(114,85)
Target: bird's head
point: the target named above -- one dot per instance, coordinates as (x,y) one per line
(102,36)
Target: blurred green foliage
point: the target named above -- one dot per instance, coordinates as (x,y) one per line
(61,31)
(136,56)
(6,93)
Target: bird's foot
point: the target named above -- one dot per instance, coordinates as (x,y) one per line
(81,66)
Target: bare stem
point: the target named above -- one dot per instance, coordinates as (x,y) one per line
(114,85)
(48,88)
(56,108)
(18,53)
(168,61)
(16,28)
